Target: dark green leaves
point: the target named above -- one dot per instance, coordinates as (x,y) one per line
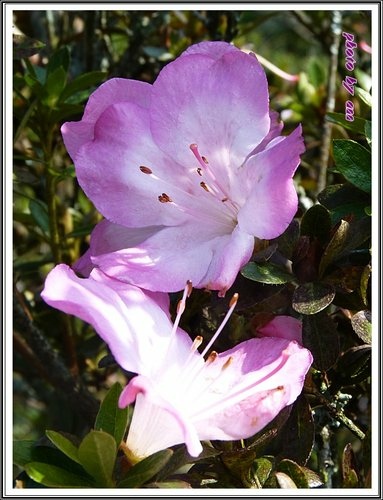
(145,470)
(266,273)
(319,332)
(111,418)
(310,298)
(353,161)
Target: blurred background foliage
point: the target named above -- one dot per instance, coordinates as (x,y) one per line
(61,368)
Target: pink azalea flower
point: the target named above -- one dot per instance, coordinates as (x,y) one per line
(181,395)
(187,171)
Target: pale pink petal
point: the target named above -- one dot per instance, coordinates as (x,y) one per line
(170,428)
(273,200)
(263,376)
(115,90)
(228,259)
(108,170)
(136,329)
(221,105)
(284,327)
(166,260)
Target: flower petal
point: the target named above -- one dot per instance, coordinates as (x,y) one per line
(215,50)
(166,260)
(171,427)
(232,253)
(108,170)
(115,90)
(262,377)
(135,327)
(221,105)
(273,200)
(284,327)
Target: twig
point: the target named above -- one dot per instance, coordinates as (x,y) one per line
(336,29)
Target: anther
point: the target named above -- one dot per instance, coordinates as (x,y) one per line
(227,363)
(146,170)
(196,343)
(189,285)
(199,171)
(212,357)
(164,198)
(204,159)
(234,300)
(224,199)
(204,186)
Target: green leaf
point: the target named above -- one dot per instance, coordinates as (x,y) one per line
(56,477)
(82,82)
(310,298)
(261,468)
(357,126)
(361,324)
(97,454)
(59,59)
(293,470)
(320,336)
(64,445)
(343,200)
(266,273)
(141,472)
(347,237)
(54,85)
(22,452)
(175,483)
(367,131)
(353,161)
(110,417)
(355,364)
(285,481)
(316,222)
(39,212)
(364,96)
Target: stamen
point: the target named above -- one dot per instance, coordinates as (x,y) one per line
(224,199)
(215,187)
(181,306)
(199,171)
(189,284)
(164,198)
(211,358)
(227,363)
(146,170)
(205,187)
(196,343)
(232,304)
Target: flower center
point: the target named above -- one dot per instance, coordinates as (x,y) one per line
(217,205)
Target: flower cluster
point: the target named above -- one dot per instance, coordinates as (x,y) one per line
(187,173)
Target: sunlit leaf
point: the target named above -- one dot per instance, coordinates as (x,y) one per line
(64,444)
(361,324)
(110,417)
(266,273)
(56,477)
(310,298)
(97,454)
